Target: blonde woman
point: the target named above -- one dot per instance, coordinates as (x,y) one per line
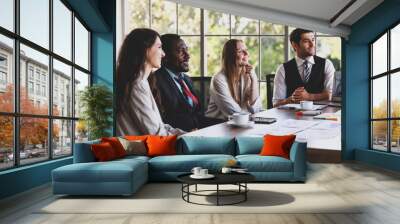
(235,87)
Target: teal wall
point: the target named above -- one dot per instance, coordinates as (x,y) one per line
(103,49)
(99,16)
(24,178)
(356,85)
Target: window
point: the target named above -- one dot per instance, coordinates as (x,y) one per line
(39,80)
(7,14)
(35,22)
(62,74)
(30,72)
(3,72)
(3,78)
(44,91)
(30,87)
(81,45)
(62,29)
(267,42)
(3,61)
(37,75)
(385,97)
(38,89)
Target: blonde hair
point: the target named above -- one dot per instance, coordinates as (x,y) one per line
(229,66)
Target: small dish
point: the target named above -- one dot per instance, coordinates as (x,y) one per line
(208,176)
(250,124)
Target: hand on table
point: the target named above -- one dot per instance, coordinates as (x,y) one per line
(300,94)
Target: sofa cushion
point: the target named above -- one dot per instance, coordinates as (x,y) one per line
(277,145)
(132,158)
(161,145)
(136,137)
(185,163)
(249,145)
(133,147)
(83,152)
(257,163)
(112,171)
(103,152)
(197,145)
(116,145)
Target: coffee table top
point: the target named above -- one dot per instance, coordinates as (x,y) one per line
(220,178)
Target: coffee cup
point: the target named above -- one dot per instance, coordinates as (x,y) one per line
(196,171)
(226,170)
(203,172)
(240,118)
(306,105)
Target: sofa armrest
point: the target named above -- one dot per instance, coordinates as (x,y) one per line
(299,158)
(83,152)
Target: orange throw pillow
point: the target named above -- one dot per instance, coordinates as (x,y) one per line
(136,137)
(103,152)
(116,145)
(277,145)
(161,145)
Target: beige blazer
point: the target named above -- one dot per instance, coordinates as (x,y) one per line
(140,115)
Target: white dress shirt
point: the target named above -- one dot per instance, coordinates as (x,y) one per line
(279,80)
(222,104)
(174,77)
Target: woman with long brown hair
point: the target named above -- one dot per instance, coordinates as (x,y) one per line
(235,87)
(137,112)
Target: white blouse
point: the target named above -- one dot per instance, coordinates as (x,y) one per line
(222,104)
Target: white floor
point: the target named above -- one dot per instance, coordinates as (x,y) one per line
(377,189)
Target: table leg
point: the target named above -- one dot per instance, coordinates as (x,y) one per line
(245,191)
(217,194)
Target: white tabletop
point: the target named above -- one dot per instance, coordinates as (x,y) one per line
(319,134)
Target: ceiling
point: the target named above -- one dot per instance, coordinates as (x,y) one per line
(317,15)
(319,9)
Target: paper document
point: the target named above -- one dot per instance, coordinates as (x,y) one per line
(323,130)
(285,127)
(328,116)
(293,106)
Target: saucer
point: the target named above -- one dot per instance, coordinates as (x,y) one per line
(208,176)
(248,125)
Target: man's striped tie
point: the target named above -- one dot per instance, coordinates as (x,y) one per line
(307,71)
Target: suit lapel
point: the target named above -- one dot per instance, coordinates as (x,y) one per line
(177,92)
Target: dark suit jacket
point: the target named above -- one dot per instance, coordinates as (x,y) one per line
(174,108)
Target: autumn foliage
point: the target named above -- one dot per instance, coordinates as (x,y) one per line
(33,131)
(380,127)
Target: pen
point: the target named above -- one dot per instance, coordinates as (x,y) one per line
(327,118)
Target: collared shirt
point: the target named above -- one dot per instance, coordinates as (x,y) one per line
(175,77)
(279,80)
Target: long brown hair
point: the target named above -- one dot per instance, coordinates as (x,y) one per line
(131,60)
(229,66)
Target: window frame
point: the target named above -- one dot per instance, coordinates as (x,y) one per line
(16,115)
(388,74)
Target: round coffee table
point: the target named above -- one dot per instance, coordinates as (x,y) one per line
(238,179)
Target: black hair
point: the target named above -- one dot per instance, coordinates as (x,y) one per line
(295,35)
(168,44)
